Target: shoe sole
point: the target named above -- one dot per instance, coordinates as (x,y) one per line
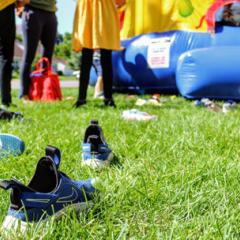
(12,224)
(10,145)
(98,164)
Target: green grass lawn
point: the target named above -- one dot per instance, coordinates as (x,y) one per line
(177,177)
(61,78)
(67,78)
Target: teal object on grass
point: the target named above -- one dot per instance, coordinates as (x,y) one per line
(10,145)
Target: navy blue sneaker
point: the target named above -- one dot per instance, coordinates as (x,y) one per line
(95,150)
(49,193)
(10,145)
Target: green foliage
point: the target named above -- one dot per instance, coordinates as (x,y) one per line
(19,38)
(36,59)
(177,177)
(74,61)
(64,51)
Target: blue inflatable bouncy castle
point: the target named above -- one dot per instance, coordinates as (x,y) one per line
(133,70)
(188,52)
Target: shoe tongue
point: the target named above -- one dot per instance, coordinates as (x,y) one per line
(94,122)
(94,140)
(94,133)
(46,177)
(54,153)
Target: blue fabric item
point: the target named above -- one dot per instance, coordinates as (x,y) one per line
(97,63)
(38,206)
(93,77)
(210,73)
(10,145)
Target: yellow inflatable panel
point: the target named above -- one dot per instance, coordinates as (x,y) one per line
(146,16)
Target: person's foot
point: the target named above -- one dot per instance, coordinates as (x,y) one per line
(25,99)
(109,103)
(3,107)
(6,104)
(79,103)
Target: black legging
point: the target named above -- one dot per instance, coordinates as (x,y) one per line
(7,37)
(106,63)
(37,25)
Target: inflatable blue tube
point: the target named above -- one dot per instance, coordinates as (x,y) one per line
(210,73)
(131,66)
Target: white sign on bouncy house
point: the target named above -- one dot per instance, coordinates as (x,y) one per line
(159,53)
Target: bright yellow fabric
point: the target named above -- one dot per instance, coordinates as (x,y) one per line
(96,25)
(146,16)
(5,3)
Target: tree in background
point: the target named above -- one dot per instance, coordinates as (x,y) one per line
(63,50)
(74,61)
(19,38)
(63,47)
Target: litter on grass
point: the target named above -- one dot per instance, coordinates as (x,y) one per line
(154,100)
(136,115)
(205,102)
(228,106)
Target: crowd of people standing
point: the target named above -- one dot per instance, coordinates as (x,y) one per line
(96,27)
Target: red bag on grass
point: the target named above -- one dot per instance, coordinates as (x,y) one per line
(45,84)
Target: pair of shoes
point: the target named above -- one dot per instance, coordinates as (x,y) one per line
(10,145)
(6,115)
(95,150)
(49,193)
(79,103)
(109,103)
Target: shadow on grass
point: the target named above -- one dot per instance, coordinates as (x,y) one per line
(116,163)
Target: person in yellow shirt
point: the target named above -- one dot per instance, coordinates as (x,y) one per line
(96,26)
